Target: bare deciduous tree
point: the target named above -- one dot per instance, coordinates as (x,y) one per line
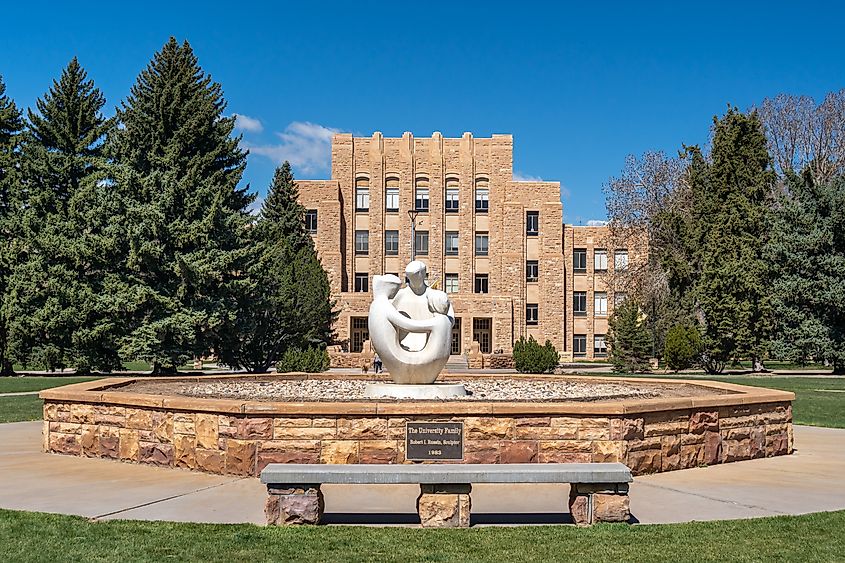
(802,134)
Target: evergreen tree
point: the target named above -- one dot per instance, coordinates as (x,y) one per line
(807,248)
(287,307)
(629,339)
(11,125)
(730,279)
(60,314)
(682,348)
(179,169)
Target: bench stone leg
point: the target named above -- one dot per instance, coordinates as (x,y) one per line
(293,504)
(444,506)
(594,503)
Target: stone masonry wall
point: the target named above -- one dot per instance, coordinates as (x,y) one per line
(243,444)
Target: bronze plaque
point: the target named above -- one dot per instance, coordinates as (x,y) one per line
(434,441)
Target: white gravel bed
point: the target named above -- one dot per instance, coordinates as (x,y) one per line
(478,389)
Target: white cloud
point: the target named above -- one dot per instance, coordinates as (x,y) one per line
(564,192)
(248,124)
(596,223)
(307,146)
(255,207)
(521,177)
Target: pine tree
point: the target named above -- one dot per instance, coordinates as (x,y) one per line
(807,248)
(59,315)
(11,125)
(287,304)
(179,171)
(731,288)
(629,339)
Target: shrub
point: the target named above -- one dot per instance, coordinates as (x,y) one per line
(530,357)
(309,360)
(629,339)
(683,347)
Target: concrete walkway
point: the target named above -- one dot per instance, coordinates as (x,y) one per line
(808,481)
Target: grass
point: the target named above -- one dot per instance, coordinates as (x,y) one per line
(22,384)
(28,536)
(18,409)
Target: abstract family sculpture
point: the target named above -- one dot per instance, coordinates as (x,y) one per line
(410,328)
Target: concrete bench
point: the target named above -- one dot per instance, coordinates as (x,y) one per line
(598,492)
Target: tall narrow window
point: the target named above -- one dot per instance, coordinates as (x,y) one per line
(482,283)
(451,243)
(600,304)
(482,332)
(599,346)
(532,271)
(600,259)
(532,223)
(452,195)
(362,194)
(391,194)
(579,260)
(579,345)
(579,303)
(391,243)
(482,244)
(620,259)
(421,243)
(451,283)
(362,243)
(482,195)
(532,314)
(361,283)
(311,221)
(421,195)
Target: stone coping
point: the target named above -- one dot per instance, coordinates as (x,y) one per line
(108,391)
(393,474)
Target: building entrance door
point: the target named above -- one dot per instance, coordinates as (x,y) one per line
(483,334)
(456,337)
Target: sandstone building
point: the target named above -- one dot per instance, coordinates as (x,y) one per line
(497,246)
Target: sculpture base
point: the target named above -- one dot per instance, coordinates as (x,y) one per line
(431,391)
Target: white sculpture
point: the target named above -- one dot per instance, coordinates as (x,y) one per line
(411,329)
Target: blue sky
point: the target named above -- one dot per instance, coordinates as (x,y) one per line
(579,85)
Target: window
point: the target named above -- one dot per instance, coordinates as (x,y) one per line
(619,297)
(600,304)
(451,243)
(452,195)
(421,195)
(360,333)
(579,345)
(451,283)
(482,195)
(456,336)
(579,303)
(532,271)
(362,194)
(579,260)
(532,223)
(391,243)
(599,346)
(482,241)
(391,199)
(620,259)
(311,221)
(361,283)
(421,243)
(481,283)
(532,314)
(362,243)
(600,260)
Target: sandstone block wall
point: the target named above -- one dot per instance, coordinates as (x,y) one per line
(243,444)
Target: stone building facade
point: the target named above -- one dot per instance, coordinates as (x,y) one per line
(492,243)
(498,246)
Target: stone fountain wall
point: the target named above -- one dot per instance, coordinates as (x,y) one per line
(204,434)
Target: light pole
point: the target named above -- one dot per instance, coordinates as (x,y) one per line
(412,213)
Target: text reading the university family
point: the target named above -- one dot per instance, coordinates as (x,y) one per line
(434,441)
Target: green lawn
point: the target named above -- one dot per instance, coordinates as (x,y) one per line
(21,384)
(27,536)
(17,409)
